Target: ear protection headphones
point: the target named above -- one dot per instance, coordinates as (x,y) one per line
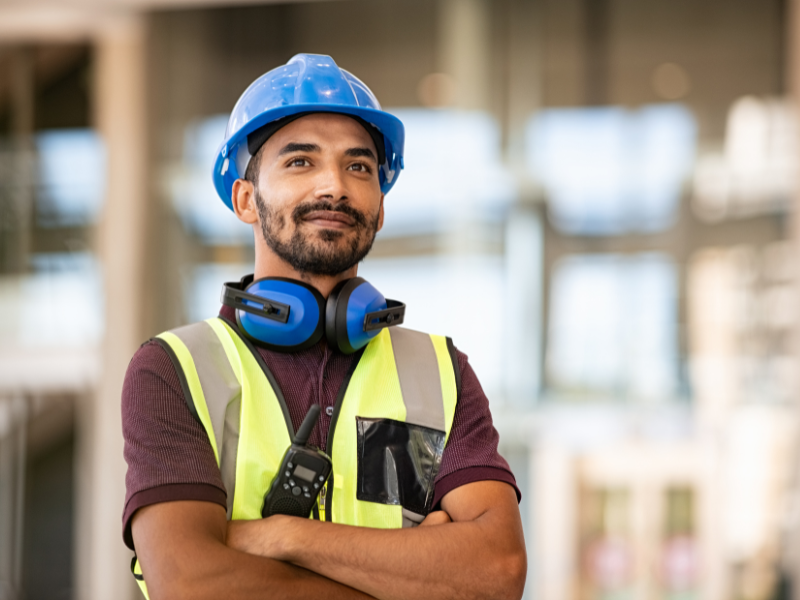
(288,315)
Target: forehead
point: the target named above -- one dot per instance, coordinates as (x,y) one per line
(327,130)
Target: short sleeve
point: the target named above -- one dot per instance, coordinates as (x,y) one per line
(471,453)
(168,453)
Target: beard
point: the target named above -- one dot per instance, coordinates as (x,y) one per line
(323,255)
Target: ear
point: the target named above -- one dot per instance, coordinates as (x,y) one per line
(243,200)
(380,215)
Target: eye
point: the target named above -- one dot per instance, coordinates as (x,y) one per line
(362,167)
(298,162)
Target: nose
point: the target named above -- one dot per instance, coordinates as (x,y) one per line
(331,184)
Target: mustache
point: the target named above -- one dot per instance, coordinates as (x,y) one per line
(302,210)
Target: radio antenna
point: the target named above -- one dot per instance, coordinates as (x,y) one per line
(307,426)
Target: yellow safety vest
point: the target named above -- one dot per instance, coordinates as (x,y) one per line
(402,380)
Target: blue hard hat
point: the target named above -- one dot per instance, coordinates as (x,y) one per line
(307,83)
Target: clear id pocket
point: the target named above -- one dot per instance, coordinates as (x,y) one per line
(398,463)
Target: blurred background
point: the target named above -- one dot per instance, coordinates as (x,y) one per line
(598,206)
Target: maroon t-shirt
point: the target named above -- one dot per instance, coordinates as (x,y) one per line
(170,458)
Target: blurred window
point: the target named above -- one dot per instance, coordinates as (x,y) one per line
(453,173)
(70,178)
(757,171)
(60,304)
(192,191)
(612,327)
(610,170)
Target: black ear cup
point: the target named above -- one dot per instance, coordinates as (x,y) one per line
(336,315)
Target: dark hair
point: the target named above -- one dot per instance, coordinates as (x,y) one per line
(254,167)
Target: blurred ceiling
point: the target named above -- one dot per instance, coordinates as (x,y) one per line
(73,20)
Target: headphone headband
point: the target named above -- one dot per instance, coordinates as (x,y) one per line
(235,297)
(393,315)
(289,315)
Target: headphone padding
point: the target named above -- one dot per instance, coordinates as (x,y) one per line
(336,315)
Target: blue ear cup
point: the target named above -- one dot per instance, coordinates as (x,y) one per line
(277,313)
(356,312)
(346,308)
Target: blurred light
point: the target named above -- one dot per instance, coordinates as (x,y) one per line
(461,297)
(612,326)
(71,177)
(437,90)
(60,304)
(760,452)
(609,170)
(192,189)
(453,173)
(757,170)
(671,81)
(741,308)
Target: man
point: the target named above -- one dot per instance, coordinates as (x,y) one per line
(308,157)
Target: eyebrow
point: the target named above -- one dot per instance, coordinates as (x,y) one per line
(295,147)
(363,152)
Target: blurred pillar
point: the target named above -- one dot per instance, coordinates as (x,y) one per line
(595,51)
(120,79)
(523,55)
(790,586)
(464,50)
(523,317)
(22,88)
(13,446)
(556,565)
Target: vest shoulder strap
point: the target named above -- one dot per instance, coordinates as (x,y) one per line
(211,386)
(421,377)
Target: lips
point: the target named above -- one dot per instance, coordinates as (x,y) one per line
(329,215)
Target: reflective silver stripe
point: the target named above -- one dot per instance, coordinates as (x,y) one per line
(421,387)
(420,382)
(230,449)
(223,396)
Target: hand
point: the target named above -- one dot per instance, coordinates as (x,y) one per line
(437,517)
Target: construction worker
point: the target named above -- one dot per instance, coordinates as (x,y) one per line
(418,503)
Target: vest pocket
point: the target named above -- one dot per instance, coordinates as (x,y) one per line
(398,463)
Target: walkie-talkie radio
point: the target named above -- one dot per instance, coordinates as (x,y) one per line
(302,474)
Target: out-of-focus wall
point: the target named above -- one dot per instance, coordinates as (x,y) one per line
(597,205)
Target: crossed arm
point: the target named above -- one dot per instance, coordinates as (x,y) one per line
(474,549)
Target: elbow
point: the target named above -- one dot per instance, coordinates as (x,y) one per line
(177,588)
(510,573)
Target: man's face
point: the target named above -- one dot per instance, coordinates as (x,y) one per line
(318,194)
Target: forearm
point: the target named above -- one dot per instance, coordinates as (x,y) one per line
(226,573)
(456,560)
(181,546)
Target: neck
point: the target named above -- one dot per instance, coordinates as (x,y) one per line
(268,264)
